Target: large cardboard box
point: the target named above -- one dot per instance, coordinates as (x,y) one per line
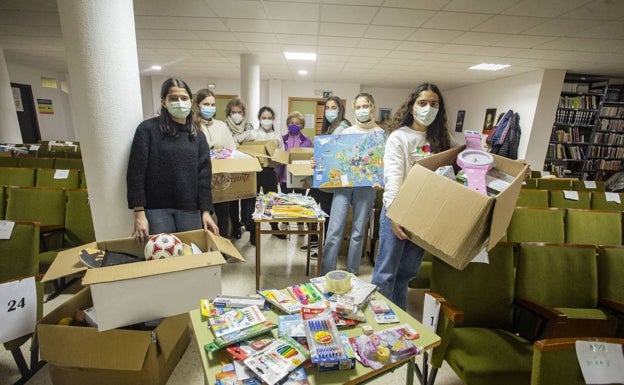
(448,219)
(83,355)
(234,179)
(297,162)
(142,291)
(261,149)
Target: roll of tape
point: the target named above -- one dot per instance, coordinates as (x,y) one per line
(338,281)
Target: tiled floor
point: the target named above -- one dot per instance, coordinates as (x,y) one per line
(282,264)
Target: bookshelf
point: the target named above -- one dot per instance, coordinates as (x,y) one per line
(587,138)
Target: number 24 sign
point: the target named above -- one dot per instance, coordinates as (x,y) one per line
(18,308)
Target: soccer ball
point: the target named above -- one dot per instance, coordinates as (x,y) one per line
(162,246)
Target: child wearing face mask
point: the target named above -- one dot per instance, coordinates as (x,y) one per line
(361,199)
(266,179)
(416,130)
(169,170)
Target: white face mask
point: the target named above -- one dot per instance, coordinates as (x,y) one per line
(425,115)
(180,109)
(237,118)
(363,114)
(267,124)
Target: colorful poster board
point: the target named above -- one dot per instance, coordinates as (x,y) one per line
(351,160)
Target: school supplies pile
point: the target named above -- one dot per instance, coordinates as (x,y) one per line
(381,348)
(286,206)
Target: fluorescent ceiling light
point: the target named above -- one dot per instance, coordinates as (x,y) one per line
(303,72)
(489,67)
(156,67)
(300,56)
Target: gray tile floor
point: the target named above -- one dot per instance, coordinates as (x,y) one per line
(282,264)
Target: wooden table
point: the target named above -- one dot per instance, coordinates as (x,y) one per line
(308,230)
(360,374)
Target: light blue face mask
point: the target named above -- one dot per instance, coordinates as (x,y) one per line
(207,112)
(331,115)
(362,115)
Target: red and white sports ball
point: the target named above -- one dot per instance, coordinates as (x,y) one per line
(163,245)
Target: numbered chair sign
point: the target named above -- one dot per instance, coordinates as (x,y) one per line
(431,314)
(18,309)
(601,362)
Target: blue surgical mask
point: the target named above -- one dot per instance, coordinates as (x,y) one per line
(180,109)
(331,115)
(362,115)
(207,112)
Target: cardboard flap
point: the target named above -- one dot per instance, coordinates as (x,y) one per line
(67,262)
(300,169)
(148,268)
(253,151)
(169,331)
(281,156)
(301,153)
(220,166)
(224,245)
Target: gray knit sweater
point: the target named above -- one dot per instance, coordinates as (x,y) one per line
(169,172)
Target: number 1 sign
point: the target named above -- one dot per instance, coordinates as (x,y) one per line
(18,309)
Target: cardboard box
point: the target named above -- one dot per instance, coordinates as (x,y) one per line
(142,291)
(448,219)
(297,162)
(261,149)
(83,355)
(234,179)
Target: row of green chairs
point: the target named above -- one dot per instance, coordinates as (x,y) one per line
(42,162)
(42,177)
(563,184)
(594,200)
(592,227)
(491,314)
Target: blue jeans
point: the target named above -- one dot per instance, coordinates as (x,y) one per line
(172,220)
(397,263)
(362,200)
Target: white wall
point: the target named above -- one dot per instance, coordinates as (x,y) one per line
(57,126)
(387,97)
(525,93)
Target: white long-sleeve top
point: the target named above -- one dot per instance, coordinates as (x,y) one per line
(403,147)
(218,135)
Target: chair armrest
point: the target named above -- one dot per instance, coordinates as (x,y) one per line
(449,316)
(46,234)
(542,310)
(612,304)
(450,311)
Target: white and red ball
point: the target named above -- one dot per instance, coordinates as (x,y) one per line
(162,246)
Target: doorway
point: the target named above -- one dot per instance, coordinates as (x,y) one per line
(26,113)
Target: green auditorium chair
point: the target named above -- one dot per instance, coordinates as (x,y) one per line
(554,184)
(555,361)
(593,227)
(610,287)
(530,224)
(529,183)
(607,201)
(581,185)
(422,281)
(6,160)
(69,163)
(476,324)
(19,258)
(17,176)
(50,177)
(533,198)
(36,162)
(558,284)
(562,199)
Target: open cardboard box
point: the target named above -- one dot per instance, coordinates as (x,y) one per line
(297,172)
(448,219)
(82,355)
(142,291)
(261,149)
(234,179)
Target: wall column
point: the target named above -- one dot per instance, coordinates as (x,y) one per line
(105,96)
(250,85)
(9,125)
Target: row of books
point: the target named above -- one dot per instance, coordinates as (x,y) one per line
(615,112)
(601,164)
(583,101)
(570,134)
(610,139)
(575,117)
(559,151)
(606,152)
(612,125)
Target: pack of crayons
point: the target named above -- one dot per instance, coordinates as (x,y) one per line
(277,360)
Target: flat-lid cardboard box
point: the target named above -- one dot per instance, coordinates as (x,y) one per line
(262,149)
(142,291)
(297,162)
(234,179)
(448,219)
(82,355)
